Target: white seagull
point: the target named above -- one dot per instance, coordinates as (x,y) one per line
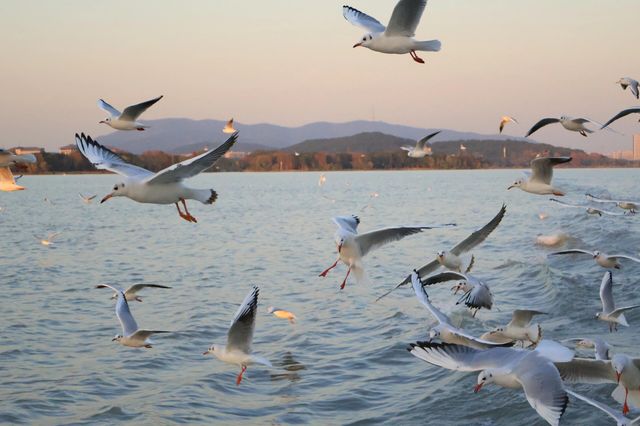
(7,158)
(539,181)
(631,206)
(444,330)
(609,312)
(238,348)
(163,187)
(87,198)
(519,329)
(632,84)
(228,128)
(620,419)
(132,292)
(602,259)
(601,349)
(588,209)
(451,259)
(131,335)
(353,247)
(126,120)
(397,36)
(619,115)
(569,123)
(476,294)
(48,240)
(506,119)
(421,149)
(532,371)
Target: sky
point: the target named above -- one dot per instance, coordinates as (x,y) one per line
(291,62)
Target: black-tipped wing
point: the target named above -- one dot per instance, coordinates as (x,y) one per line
(132,112)
(423,141)
(349,223)
(464,358)
(540,124)
(105,159)
(241,330)
(362,20)
(480,235)
(621,114)
(193,166)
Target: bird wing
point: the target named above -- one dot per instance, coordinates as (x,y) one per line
(542,168)
(542,387)
(423,271)
(137,287)
(562,203)
(144,334)
(621,114)
(464,358)
(6,177)
(424,299)
(348,223)
(522,317)
(108,108)
(131,113)
(634,89)
(480,235)
(615,414)
(619,311)
(586,370)
(478,297)
(123,313)
(624,256)
(362,20)
(374,239)
(443,277)
(540,124)
(193,166)
(606,293)
(241,330)
(405,18)
(105,159)
(420,144)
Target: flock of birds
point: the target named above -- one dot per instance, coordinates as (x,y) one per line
(514,356)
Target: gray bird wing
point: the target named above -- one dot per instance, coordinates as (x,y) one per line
(585,370)
(540,124)
(465,358)
(522,317)
(614,414)
(240,332)
(108,108)
(405,18)
(362,20)
(349,223)
(420,144)
(542,168)
(621,114)
(131,113)
(480,235)
(375,239)
(606,293)
(105,159)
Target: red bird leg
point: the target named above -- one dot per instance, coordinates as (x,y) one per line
(326,271)
(239,378)
(344,283)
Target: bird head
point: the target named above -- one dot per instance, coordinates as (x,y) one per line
(118,191)
(106,121)
(598,315)
(434,333)
(458,287)
(340,244)
(117,338)
(618,363)
(210,350)
(365,41)
(596,254)
(485,377)
(516,184)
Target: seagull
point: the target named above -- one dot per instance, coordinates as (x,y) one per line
(601,259)
(631,206)
(397,36)
(126,120)
(572,124)
(539,181)
(87,198)
(476,294)
(131,292)
(519,329)
(588,209)
(238,348)
(228,128)
(163,187)
(602,349)
(446,331)
(620,420)
(621,369)
(353,247)
(506,119)
(322,180)
(451,259)
(48,240)
(421,149)
(131,335)
(281,313)
(532,371)
(7,158)
(619,115)
(632,84)
(609,312)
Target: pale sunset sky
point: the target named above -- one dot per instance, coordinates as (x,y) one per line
(290,62)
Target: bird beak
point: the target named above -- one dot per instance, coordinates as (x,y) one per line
(102,122)
(509,187)
(357,44)
(339,247)
(477,388)
(113,340)
(455,289)
(205,353)
(618,375)
(106,198)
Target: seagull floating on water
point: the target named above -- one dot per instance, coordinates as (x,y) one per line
(48,240)
(632,84)
(163,187)
(421,149)
(569,123)
(539,181)
(397,36)
(238,348)
(126,120)
(131,293)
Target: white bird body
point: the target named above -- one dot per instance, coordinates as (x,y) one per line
(539,182)
(449,260)
(126,120)
(609,312)
(519,329)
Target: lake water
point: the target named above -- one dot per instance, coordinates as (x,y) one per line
(345,361)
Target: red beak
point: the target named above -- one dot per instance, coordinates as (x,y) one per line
(618,375)
(477,388)
(339,247)
(357,44)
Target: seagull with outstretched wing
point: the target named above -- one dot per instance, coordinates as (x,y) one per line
(127,119)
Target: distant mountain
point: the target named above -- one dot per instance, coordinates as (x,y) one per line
(361,142)
(182,135)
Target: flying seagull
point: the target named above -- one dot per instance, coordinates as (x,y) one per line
(163,187)
(569,123)
(602,259)
(539,181)
(228,128)
(126,120)
(588,209)
(397,36)
(609,312)
(132,292)
(7,158)
(632,84)
(421,149)
(506,119)
(631,206)
(87,198)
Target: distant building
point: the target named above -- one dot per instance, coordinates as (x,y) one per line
(636,147)
(236,154)
(622,155)
(21,150)
(68,149)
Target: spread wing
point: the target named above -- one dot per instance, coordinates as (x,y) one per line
(542,168)
(624,256)
(405,18)
(423,271)
(423,141)
(540,124)
(137,287)
(621,114)
(374,239)
(241,331)
(606,293)
(123,313)
(480,235)
(614,414)
(6,177)
(464,358)
(584,370)
(349,223)
(105,159)
(522,317)
(132,112)
(193,166)
(362,20)
(424,299)
(443,277)
(108,108)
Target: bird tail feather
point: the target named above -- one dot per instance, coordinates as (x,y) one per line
(429,46)
(205,196)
